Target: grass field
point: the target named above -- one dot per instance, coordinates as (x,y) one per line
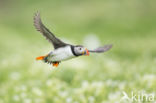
(130,66)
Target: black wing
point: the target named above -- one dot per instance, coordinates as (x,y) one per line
(49,35)
(101,49)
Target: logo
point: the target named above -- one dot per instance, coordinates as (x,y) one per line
(140,96)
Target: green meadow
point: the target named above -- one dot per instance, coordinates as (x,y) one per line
(129,67)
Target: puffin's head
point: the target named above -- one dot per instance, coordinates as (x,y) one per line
(80,50)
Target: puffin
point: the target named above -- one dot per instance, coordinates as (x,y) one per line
(62,51)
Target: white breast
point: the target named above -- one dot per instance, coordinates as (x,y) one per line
(61,54)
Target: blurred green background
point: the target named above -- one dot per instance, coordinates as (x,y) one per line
(130,25)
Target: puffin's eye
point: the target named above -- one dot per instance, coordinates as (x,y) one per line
(80,49)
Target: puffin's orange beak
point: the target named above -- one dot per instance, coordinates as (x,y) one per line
(87,52)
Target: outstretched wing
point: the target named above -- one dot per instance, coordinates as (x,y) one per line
(49,35)
(101,49)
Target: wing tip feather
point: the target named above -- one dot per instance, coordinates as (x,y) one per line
(108,47)
(37,21)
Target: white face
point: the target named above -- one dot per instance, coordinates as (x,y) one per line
(79,50)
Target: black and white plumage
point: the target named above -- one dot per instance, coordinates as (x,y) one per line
(62,51)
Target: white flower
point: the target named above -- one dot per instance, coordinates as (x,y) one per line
(97,84)
(112,83)
(91,99)
(85,84)
(63,93)
(23,88)
(114,96)
(69,100)
(23,95)
(27,100)
(16,98)
(37,91)
(149,77)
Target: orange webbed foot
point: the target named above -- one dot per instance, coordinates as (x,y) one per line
(55,64)
(41,57)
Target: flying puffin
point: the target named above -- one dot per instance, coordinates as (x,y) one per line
(62,51)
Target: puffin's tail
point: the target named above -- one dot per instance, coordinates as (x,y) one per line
(40,58)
